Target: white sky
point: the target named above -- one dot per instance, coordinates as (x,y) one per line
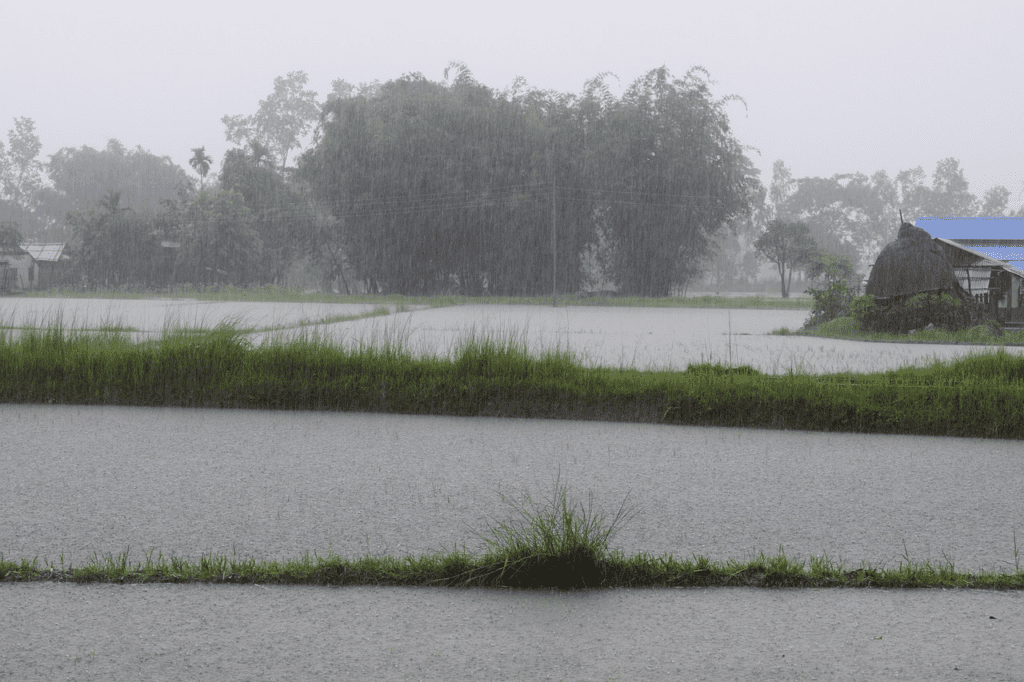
(830,87)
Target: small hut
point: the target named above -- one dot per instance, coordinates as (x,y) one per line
(915,264)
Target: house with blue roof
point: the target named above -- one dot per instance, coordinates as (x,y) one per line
(988,259)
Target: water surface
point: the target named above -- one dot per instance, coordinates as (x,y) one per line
(273,485)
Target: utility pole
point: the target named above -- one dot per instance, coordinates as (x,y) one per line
(554,253)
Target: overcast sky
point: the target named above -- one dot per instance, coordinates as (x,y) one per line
(829,87)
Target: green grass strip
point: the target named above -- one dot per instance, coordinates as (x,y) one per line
(459,569)
(561,543)
(849,329)
(976,396)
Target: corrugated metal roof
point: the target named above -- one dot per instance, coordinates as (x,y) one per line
(1001,252)
(1013,266)
(959,229)
(45,252)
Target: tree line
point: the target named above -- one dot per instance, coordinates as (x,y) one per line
(439,186)
(420,187)
(812,224)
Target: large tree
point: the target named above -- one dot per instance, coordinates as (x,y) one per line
(678,178)
(449,185)
(21,175)
(81,177)
(995,202)
(853,215)
(282,120)
(787,245)
(283,215)
(441,186)
(951,194)
(115,246)
(219,242)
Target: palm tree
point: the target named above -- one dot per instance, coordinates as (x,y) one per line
(260,153)
(111,202)
(200,162)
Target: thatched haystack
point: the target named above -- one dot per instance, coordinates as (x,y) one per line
(913,264)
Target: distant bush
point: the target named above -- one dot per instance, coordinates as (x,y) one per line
(830,303)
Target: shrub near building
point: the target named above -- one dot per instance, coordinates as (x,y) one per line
(916,312)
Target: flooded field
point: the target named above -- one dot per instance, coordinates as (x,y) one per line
(85,481)
(643,338)
(273,485)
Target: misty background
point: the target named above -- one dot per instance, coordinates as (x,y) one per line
(842,113)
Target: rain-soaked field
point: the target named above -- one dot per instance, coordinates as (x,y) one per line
(613,336)
(84,480)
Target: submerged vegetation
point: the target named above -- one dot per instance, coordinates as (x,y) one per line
(562,544)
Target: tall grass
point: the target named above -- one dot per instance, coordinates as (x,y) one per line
(980,395)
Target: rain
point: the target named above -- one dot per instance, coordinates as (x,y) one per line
(529,153)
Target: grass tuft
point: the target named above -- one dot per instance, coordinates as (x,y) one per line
(561,544)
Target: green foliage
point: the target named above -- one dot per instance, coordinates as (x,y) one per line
(973,397)
(219,243)
(81,177)
(835,300)
(452,187)
(718,369)
(20,168)
(832,267)
(115,246)
(993,328)
(460,569)
(563,545)
(200,162)
(839,327)
(282,217)
(787,245)
(915,313)
(10,237)
(644,144)
(281,121)
(862,307)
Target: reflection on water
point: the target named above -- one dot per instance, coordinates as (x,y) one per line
(97,480)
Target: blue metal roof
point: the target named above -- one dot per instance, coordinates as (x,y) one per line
(1007,253)
(974,228)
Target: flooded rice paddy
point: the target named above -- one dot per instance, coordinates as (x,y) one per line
(85,481)
(642,338)
(273,485)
